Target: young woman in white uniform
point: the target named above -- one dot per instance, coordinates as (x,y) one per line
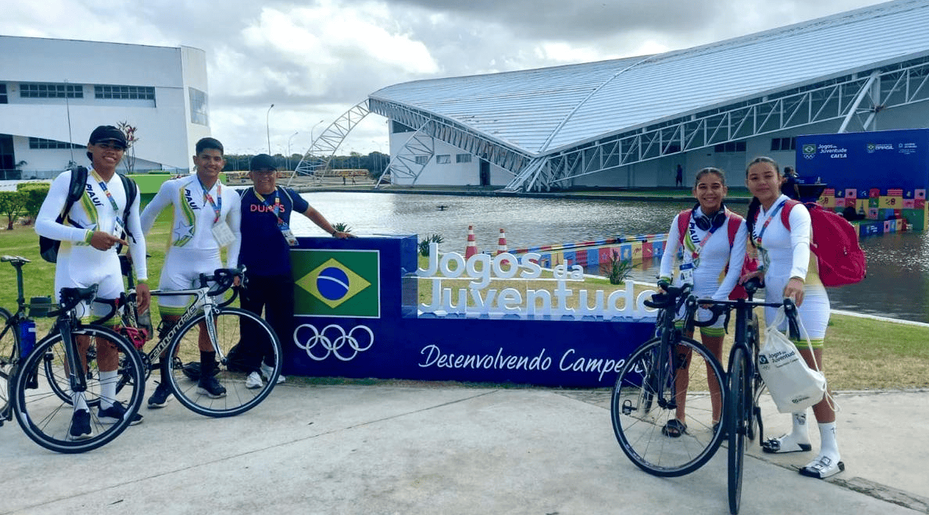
(712,264)
(789,272)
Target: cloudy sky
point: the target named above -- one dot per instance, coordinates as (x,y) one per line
(316,59)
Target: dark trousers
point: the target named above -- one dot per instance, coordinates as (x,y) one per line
(274,295)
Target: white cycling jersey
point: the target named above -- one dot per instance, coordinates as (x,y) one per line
(710,278)
(195,216)
(785,254)
(79,264)
(194,247)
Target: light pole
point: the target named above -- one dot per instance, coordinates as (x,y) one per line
(288,147)
(312,132)
(268,127)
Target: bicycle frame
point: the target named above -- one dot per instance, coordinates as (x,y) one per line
(205,301)
(745,384)
(669,333)
(66,321)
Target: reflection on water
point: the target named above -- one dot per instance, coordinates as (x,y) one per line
(894,261)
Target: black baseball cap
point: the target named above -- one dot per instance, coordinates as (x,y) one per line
(262,161)
(109,134)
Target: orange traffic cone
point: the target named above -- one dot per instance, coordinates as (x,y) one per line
(501,243)
(472,244)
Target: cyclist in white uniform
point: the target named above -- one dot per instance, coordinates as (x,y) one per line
(89,234)
(711,264)
(790,270)
(207,217)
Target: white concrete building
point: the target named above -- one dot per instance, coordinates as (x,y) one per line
(53,93)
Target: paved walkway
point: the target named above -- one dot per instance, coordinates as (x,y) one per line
(447,449)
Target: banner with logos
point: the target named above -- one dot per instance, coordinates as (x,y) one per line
(359,314)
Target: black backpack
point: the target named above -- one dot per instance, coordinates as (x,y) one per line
(48,248)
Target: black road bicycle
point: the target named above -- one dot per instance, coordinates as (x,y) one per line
(42,384)
(672,376)
(209,323)
(666,394)
(742,412)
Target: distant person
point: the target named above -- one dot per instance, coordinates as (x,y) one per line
(89,235)
(266,243)
(679,180)
(789,187)
(711,264)
(786,269)
(851,215)
(206,218)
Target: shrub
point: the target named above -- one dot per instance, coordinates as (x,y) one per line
(424,245)
(616,269)
(35,193)
(341,227)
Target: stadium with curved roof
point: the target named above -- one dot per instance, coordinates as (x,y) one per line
(628,123)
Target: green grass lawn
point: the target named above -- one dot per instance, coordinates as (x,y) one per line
(860,353)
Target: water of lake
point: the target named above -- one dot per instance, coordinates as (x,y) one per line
(898,276)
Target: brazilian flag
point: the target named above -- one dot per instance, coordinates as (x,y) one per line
(337,283)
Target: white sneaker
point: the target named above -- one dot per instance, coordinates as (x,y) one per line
(267,371)
(253,381)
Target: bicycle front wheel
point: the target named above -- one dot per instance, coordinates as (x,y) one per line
(237,395)
(9,357)
(43,399)
(658,384)
(737,419)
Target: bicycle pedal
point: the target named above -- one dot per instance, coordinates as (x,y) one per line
(627,407)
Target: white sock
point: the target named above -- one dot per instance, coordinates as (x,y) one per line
(108,382)
(829,446)
(79,402)
(801,432)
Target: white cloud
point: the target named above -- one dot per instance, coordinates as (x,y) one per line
(315,59)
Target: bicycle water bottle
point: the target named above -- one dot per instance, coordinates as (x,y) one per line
(145,322)
(26,337)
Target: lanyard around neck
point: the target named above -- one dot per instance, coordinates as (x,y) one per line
(698,248)
(216,205)
(106,190)
(276,208)
(771,216)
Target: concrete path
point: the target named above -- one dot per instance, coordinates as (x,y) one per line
(440,449)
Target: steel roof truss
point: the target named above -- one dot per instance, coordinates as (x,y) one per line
(834,99)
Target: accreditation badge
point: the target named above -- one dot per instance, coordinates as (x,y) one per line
(223,234)
(289,235)
(687,273)
(118,227)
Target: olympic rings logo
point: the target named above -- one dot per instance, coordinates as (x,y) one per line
(335,341)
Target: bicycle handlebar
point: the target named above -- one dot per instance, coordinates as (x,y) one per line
(719,307)
(114,307)
(71,297)
(673,296)
(223,279)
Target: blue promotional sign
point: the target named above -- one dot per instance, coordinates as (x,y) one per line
(864,160)
(359,315)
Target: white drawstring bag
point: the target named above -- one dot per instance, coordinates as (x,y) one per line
(793,385)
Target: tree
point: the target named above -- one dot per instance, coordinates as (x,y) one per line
(11,203)
(129,159)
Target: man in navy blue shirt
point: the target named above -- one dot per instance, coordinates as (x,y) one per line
(265,251)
